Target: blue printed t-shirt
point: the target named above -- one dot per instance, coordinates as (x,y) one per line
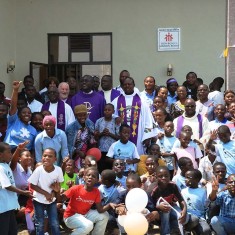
(8,199)
(118,150)
(19,132)
(166,145)
(196,200)
(225,153)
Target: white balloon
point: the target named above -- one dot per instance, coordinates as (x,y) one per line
(136,200)
(135,224)
(121,219)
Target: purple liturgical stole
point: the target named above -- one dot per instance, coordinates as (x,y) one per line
(180,125)
(60,113)
(135,114)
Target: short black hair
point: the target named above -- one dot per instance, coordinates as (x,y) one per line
(35,114)
(3,146)
(150,147)
(124,125)
(109,175)
(196,174)
(159,168)
(135,177)
(219,164)
(92,169)
(110,104)
(162,109)
(51,150)
(183,161)
(189,73)
(224,129)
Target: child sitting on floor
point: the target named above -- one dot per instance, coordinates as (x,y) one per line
(78,214)
(154,150)
(196,201)
(170,193)
(224,223)
(219,172)
(150,177)
(134,181)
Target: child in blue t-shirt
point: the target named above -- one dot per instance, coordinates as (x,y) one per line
(185,164)
(110,193)
(166,142)
(225,149)
(224,223)
(8,192)
(124,149)
(196,200)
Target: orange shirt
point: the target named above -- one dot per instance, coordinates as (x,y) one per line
(81,200)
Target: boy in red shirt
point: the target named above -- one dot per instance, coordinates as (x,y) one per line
(78,214)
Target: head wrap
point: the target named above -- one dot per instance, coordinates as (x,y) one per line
(171,80)
(49,118)
(80,109)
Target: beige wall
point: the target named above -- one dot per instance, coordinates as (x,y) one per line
(133,23)
(7,41)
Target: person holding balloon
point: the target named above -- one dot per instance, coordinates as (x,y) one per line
(135,207)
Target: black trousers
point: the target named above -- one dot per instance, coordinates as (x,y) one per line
(8,225)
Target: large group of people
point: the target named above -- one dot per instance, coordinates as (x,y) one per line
(70,153)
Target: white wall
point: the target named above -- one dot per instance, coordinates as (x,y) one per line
(7,41)
(134,24)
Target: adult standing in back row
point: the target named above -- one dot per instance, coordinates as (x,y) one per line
(136,113)
(93,101)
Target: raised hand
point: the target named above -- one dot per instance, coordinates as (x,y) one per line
(22,146)
(213,135)
(215,183)
(16,85)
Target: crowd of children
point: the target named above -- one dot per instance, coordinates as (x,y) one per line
(48,179)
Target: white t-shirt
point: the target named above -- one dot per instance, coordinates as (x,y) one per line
(44,179)
(107,96)
(35,106)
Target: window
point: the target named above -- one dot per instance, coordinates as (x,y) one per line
(77,54)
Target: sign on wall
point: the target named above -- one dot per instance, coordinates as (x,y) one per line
(168,39)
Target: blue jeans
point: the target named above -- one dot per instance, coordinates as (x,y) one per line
(52,217)
(84,224)
(223,225)
(169,221)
